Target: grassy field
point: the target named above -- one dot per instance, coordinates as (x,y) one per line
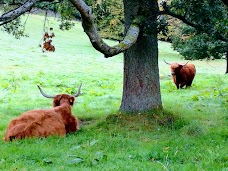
(191,134)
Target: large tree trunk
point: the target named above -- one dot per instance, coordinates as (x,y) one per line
(141,87)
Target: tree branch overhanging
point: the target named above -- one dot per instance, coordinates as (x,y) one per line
(167,11)
(180,17)
(96,40)
(88,25)
(11,15)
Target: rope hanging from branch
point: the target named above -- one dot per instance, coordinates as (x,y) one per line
(48,34)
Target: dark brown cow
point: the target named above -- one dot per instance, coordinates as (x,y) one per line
(45,122)
(182,74)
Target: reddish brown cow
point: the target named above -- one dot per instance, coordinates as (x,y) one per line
(182,74)
(45,122)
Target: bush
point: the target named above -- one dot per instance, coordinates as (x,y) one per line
(199,46)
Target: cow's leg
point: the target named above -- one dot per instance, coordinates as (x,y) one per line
(177,84)
(182,85)
(189,83)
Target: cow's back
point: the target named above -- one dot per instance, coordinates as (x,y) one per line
(35,123)
(189,71)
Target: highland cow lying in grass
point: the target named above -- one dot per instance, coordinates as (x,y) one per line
(45,122)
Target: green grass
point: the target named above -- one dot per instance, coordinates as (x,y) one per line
(191,133)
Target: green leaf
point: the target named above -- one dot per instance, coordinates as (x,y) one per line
(76,160)
(93,142)
(75,147)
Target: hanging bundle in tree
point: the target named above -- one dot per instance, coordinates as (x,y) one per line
(47,41)
(46,44)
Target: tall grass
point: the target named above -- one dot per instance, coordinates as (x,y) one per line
(190,134)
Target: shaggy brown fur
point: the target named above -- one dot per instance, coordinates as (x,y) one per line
(182,75)
(43,123)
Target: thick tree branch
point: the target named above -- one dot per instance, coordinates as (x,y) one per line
(180,17)
(198,27)
(11,15)
(96,40)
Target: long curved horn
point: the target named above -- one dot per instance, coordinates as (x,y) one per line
(186,63)
(167,62)
(78,93)
(45,95)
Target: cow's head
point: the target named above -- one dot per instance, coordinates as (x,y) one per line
(175,67)
(62,98)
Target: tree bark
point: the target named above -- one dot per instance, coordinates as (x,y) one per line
(11,15)
(141,86)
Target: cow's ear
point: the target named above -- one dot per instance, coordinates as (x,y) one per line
(72,100)
(55,102)
(180,65)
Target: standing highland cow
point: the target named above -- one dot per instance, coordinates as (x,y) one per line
(182,74)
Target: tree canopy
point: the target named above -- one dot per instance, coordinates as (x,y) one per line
(204,33)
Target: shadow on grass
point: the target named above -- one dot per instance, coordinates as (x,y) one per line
(141,121)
